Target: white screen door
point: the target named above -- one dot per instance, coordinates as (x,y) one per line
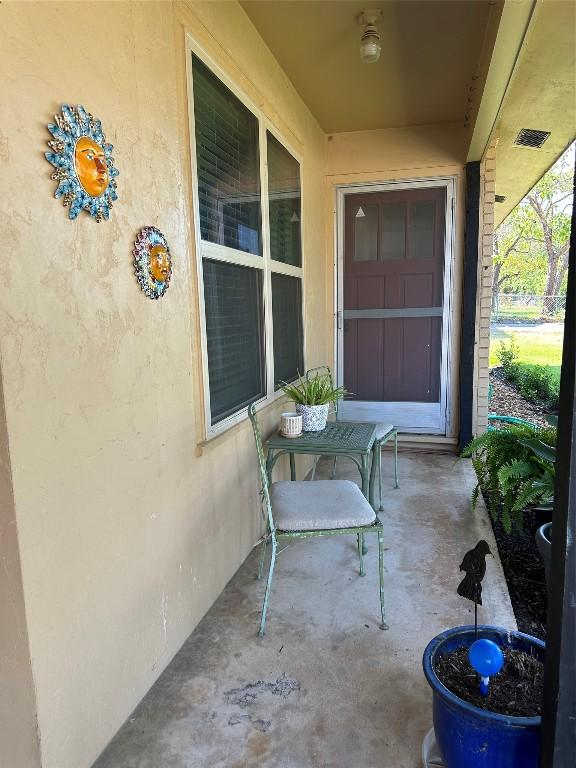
(392,310)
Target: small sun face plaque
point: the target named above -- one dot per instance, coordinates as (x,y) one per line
(152,262)
(83,162)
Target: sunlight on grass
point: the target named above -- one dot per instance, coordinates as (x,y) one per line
(537,345)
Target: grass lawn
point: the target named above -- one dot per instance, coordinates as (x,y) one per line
(537,344)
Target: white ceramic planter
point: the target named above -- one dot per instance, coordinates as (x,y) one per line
(314,417)
(291,425)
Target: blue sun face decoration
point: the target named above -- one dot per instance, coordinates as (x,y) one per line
(152,262)
(84,164)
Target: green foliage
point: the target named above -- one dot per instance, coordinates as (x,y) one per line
(314,390)
(537,383)
(507,354)
(531,244)
(515,468)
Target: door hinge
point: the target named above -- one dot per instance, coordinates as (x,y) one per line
(339,319)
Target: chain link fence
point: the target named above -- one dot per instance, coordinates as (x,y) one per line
(528,307)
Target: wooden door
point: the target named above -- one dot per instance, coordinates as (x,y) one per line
(393,301)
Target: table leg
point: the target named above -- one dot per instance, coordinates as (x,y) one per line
(292,467)
(366,483)
(373,470)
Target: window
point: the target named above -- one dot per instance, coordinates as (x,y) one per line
(287,320)
(250,251)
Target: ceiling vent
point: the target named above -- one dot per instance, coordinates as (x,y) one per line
(499,198)
(529,137)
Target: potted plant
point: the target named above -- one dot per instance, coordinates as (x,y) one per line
(487,688)
(312,396)
(472,735)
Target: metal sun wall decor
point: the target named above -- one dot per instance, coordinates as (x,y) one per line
(84,164)
(152,262)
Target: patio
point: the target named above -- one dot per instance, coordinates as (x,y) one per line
(342,691)
(204,199)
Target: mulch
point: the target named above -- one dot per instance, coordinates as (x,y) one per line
(524,573)
(506,401)
(515,691)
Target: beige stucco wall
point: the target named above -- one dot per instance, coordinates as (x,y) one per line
(19,746)
(404,154)
(129,526)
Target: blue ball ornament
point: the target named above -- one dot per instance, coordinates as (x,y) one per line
(487,658)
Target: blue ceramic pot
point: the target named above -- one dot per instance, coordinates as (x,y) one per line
(470,737)
(544,544)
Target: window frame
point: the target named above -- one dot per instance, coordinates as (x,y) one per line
(216,252)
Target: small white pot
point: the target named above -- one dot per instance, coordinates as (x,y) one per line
(290,425)
(314,417)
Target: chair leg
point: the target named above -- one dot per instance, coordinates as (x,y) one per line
(396,460)
(361,553)
(333,474)
(268,586)
(262,558)
(384,625)
(314,465)
(380,508)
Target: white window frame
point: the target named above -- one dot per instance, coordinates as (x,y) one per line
(214,251)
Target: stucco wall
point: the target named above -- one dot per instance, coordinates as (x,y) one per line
(404,153)
(19,746)
(129,525)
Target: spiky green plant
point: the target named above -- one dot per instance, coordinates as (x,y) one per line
(318,389)
(515,468)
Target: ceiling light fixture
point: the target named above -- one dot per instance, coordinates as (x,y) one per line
(370,41)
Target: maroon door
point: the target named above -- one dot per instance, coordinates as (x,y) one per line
(393,295)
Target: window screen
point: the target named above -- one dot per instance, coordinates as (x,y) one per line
(227,161)
(234,336)
(283,204)
(287,317)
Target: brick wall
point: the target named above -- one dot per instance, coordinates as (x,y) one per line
(484,298)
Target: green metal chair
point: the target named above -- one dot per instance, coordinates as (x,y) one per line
(384,433)
(301,509)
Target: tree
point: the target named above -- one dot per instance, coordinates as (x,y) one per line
(518,265)
(531,245)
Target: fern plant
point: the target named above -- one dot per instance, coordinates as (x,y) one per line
(515,468)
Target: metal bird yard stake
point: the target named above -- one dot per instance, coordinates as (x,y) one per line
(474,565)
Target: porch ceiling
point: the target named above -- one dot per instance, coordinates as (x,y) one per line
(431,49)
(542,96)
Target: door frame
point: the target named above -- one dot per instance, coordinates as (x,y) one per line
(444,422)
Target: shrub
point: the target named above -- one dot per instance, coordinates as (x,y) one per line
(508,354)
(537,383)
(515,469)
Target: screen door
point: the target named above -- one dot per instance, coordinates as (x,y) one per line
(392,315)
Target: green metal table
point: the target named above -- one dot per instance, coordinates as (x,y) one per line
(339,438)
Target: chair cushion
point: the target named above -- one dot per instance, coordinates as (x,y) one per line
(382,430)
(319,504)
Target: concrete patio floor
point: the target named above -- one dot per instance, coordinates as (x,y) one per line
(325,687)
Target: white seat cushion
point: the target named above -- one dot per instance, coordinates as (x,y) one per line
(312,505)
(382,430)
